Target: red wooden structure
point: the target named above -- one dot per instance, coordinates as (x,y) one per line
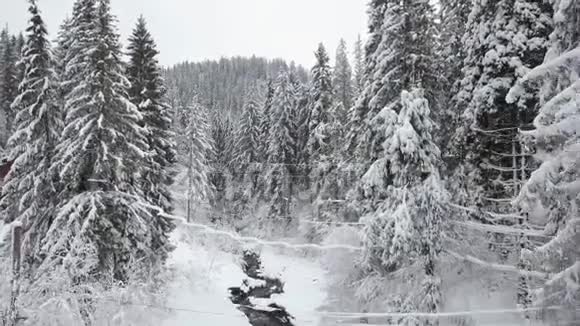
(5,167)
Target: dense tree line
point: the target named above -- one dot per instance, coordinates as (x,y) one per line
(223,85)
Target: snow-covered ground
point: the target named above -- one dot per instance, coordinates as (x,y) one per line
(204,267)
(199,290)
(304,287)
(199,287)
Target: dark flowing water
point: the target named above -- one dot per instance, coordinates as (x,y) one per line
(263,287)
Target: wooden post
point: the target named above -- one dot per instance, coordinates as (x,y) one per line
(13,316)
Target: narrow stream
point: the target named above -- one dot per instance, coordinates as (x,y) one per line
(259,286)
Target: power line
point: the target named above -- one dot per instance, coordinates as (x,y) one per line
(201,312)
(440,314)
(498,229)
(289,164)
(239,238)
(499,267)
(341,314)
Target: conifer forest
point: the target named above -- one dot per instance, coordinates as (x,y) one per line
(425,174)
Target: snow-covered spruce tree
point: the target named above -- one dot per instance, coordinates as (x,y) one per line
(103,228)
(350,168)
(504,39)
(28,195)
(8,83)
(249,130)
(302,125)
(265,125)
(72,30)
(324,133)
(249,164)
(194,144)
(550,197)
(346,87)
(223,161)
(403,235)
(60,52)
(147,92)
(402,58)
(358,71)
(265,122)
(454,15)
(63,43)
(359,131)
(342,81)
(281,151)
(321,104)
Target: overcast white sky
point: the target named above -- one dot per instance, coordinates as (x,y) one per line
(209,29)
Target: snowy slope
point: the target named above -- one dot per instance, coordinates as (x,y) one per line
(304,287)
(202,277)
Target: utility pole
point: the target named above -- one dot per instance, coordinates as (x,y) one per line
(12,317)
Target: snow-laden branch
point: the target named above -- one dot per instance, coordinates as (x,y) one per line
(569,273)
(567,59)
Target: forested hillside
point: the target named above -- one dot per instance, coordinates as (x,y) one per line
(222,85)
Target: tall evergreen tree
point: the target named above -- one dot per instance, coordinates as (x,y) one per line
(302,122)
(400,195)
(74,31)
(550,196)
(265,122)
(63,41)
(194,145)
(405,230)
(147,93)
(103,226)
(249,157)
(324,118)
(399,53)
(321,105)
(282,147)
(29,192)
(403,58)
(250,131)
(504,39)
(8,83)
(358,71)
(343,82)
(454,15)
(359,131)
(224,162)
